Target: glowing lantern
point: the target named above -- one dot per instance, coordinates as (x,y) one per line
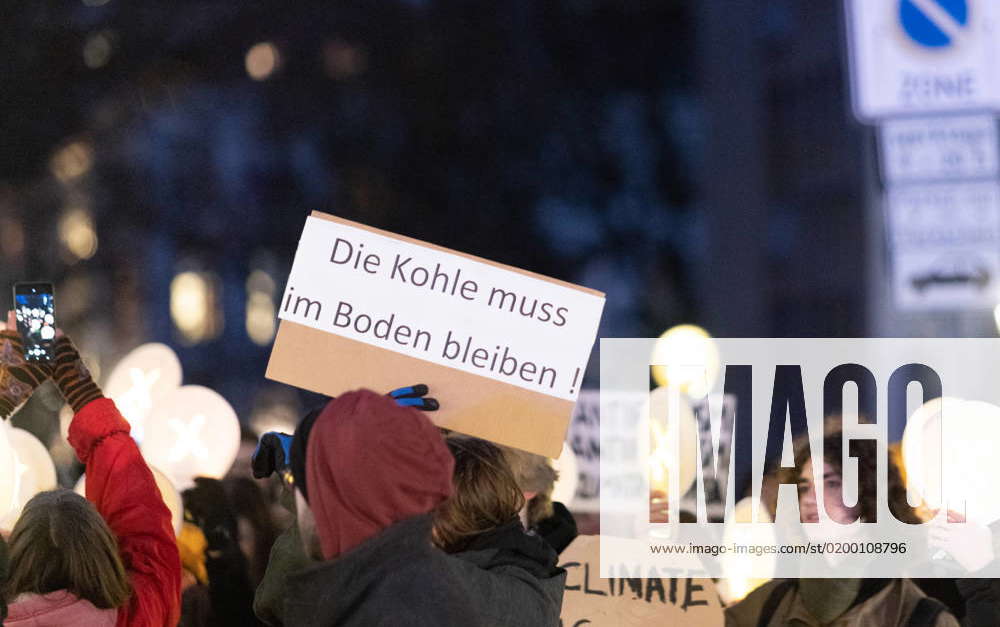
(141,381)
(34,472)
(949,455)
(686,356)
(168,492)
(565,488)
(8,476)
(33,454)
(194,432)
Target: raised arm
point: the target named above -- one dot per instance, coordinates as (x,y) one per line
(121,486)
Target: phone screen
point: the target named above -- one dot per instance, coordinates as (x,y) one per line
(34,306)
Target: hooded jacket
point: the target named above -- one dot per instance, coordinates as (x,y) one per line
(374,472)
(502,578)
(396,578)
(369,464)
(512,577)
(505,579)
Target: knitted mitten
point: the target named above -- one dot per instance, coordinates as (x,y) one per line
(72,376)
(18,377)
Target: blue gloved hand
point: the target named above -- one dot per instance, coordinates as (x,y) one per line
(272,454)
(415,396)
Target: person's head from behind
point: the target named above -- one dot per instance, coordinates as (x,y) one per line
(60,542)
(536,478)
(485,494)
(361,464)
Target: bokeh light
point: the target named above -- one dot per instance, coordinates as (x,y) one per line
(71,161)
(11,238)
(262,60)
(97,50)
(342,60)
(687,357)
(77,233)
(261,312)
(195,307)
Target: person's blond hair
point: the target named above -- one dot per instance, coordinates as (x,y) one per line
(533,473)
(485,495)
(60,542)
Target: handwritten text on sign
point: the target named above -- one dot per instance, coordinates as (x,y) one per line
(442,307)
(628,600)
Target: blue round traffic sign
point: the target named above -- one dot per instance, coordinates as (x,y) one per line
(933,23)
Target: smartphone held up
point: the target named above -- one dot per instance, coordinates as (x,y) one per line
(34,307)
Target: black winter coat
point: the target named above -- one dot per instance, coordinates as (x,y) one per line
(503,579)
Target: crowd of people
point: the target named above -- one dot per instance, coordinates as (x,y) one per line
(367,515)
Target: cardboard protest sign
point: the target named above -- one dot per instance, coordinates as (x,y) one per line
(631,602)
(502,348)
(585,439)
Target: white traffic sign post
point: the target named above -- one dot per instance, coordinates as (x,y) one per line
(938,148)
(913,57)
(945,243)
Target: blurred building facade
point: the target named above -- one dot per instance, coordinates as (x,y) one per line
(696,161)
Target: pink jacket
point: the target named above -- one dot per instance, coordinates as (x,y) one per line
(57,609)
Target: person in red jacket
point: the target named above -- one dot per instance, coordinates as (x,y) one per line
(119,485)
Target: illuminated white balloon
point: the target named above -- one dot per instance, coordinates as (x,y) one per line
(35,471)
(9,475)
(687,356)
(662,455)
(142,380)
(565,488)
(949,455)
(168,492)
(33,454)
(919,453)
(194,432)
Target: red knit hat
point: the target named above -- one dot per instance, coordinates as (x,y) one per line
(371,463)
